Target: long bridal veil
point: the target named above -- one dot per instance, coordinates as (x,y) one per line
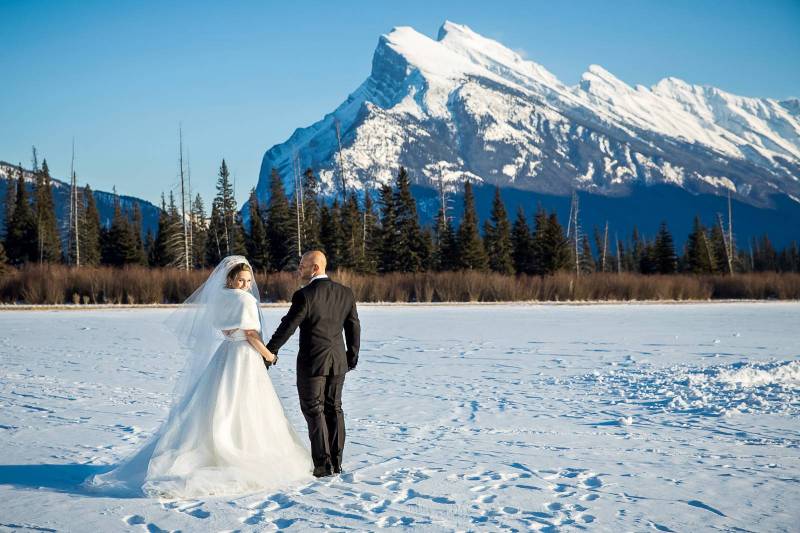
(193,325)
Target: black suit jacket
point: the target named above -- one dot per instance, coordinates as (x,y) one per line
(322,309)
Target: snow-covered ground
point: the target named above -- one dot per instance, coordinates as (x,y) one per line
(610,418)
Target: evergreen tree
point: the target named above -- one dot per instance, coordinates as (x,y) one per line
(310,213)
(174,244)
(794,256)
(330,233)
(555,251)
(48,241)
(294,241)
(239,245)
(587,265)
(350,251)
(699,258)
(598,242)
(445,245)
(621,259)
(497,235)
(158,255)
(8,210)
(257,244)
(10,200)
(119,245)
(371,237)
(139,257)
(389,233)
(89,228)
(472,255)
(216,245)
(223,236)
(765,258)
(666,260)
(411,249)
(789,260)
(426,250)
(539,237)
(648,262)
(719,250)
(149,242)
(637,252)
(21,237)
(3,259)
(279,224)
(199,232)
(522,243)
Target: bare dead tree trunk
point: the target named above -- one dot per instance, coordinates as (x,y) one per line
(725,244)
(191,211)
(569,219)
(605,248)
(573,228)
(341,160)
(225,221)
(73,211)
(297,202)
(707,246)
(730,235)
(183,203)
(443,200)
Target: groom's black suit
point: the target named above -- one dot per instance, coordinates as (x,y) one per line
(322,309)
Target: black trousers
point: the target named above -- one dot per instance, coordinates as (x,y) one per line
(321,404)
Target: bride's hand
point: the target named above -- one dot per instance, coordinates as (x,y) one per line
(254,338)
(270,357)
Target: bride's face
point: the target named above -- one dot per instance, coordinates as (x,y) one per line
(243,280)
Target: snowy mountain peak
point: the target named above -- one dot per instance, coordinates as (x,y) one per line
(466,107)
(423,53)
(599,82)
(453,29)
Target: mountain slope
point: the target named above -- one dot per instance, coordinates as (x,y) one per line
(464,107)
(104,201)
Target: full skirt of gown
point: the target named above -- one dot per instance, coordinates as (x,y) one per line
(228,436)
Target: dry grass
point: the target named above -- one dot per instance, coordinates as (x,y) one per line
(58,284)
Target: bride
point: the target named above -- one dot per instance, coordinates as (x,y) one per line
(226,432)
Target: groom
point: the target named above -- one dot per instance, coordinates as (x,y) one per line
(322,308)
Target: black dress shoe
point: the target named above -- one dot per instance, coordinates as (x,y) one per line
(322,471)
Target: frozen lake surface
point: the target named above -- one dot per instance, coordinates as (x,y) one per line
(540,417)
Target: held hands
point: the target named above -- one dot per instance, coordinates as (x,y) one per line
(254,338)
(270,357)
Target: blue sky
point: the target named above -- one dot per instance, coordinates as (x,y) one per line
(120,76)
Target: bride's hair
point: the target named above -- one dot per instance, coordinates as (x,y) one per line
(233,272)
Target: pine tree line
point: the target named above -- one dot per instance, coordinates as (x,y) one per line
(361,235)
(388,237)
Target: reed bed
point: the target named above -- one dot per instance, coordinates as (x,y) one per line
(59,284)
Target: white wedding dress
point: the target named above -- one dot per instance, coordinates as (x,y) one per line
(228,434)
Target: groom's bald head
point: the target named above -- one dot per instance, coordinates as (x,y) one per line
(312,264)
(316,257)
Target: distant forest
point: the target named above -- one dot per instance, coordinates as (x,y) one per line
(360,235)
(380,248)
